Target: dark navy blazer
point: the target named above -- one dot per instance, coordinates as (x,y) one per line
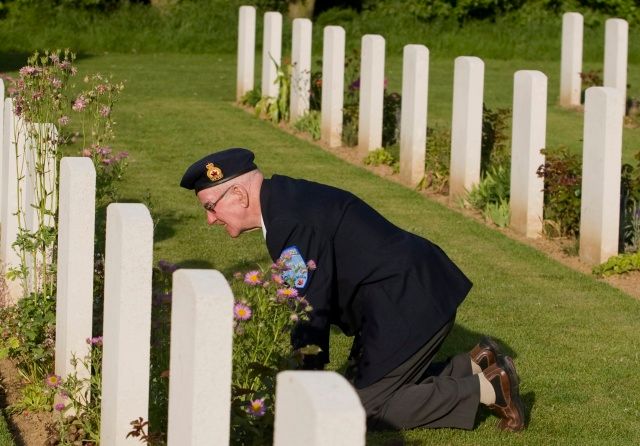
(391,289)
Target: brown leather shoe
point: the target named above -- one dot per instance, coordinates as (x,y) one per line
(508,406)
(485,353)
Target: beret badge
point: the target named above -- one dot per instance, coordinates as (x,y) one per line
(214,173)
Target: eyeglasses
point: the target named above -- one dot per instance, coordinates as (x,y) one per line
(211,207)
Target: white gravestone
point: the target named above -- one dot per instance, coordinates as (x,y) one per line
(571,59)
(13,141)
(332,85)
(466,125)
(615,57)
(301,69)
(601,164)
(246,50)
(413,114)
(201,349)
(2,191)
(74,301)
(127,321)
(371,93)
(317,408)
(528,138)
(271,53)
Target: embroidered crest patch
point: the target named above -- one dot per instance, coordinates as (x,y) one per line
(295,273)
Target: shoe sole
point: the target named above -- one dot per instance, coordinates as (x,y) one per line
(514,383)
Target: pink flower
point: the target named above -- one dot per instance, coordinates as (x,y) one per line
(79,104)
(58,407)
(28,71)
(122,155)
(311,265)
(105,111)
(95,341)
(57,83)
(54,58)
(242,312)
(252,278)
(107,161)
(87,152)
(256,407)
(52,380)
(63,120)
(101,88)
(237,275)
(277,278)
(290,293)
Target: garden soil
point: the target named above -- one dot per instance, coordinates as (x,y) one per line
(28,428)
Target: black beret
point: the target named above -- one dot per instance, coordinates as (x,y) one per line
(217,168)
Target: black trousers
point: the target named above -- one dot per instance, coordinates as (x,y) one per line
(421,394)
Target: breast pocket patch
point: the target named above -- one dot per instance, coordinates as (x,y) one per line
(295,268)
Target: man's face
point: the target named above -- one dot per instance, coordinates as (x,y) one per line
(224,205)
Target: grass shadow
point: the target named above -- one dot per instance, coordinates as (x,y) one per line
(14,60)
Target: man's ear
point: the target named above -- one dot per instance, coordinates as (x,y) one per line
(242,194)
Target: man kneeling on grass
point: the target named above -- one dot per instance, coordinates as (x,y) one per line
(397,293)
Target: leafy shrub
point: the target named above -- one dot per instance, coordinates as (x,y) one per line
(383,157)
(277,109)
(491,195)
(622,263)
(309,123)
(562,173)
(391,103)
(251,97)
(495,137)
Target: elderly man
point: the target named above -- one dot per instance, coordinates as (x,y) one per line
(395,292)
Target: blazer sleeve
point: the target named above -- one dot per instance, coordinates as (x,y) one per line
(316,289)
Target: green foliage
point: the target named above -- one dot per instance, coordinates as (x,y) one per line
(34,397)
(491,195)
(383,157)
(80,399)
(495,138)
(251,97)
(562,173)
(309,123)
(391,103)
(619,264)
(437,159)
(265,312)
(28,333)
(277,109)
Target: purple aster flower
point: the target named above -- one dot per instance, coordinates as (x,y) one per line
(252,278)
(105,111)
(290,293)
(63,120)
(57,83)
(256,407)
(311,265)
(59,407)
(52,380)
(122,155)
(242,312)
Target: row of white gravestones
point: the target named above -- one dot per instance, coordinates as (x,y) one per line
(529,110)
(316,408)
(615,58)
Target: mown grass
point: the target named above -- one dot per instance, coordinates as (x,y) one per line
(574,339)
(6,439)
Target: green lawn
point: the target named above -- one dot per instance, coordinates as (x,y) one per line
(574,339)
(5,435)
